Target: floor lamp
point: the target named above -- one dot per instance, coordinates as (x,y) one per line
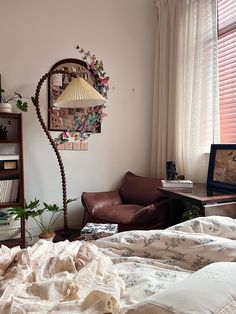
(78,93)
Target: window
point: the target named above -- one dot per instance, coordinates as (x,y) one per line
(227,69)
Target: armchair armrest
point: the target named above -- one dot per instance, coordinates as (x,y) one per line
(96,200)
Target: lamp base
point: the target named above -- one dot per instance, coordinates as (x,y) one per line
(70,235)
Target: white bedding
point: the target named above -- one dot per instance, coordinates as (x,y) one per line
(188,268)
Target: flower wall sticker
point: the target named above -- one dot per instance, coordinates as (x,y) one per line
(100,78)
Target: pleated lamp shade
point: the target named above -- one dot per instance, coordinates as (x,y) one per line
(79,93)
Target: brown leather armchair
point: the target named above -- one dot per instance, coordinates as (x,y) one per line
(137,204)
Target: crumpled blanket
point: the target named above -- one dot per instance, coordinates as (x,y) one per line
(63,277)
(129,272)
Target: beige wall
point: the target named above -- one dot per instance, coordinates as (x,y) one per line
(36,34)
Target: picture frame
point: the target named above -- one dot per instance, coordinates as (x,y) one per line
(65,119)
(222,168)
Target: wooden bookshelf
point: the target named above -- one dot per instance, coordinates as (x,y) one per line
(12,144)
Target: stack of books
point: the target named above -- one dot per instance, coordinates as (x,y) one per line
(4,218)
(9,227)
(177,183)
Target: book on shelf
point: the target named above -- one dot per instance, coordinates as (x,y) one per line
(9,190)
(9,157)
(5,222)
(177,183)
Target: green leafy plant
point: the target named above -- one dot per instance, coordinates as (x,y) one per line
(21,101)
(32,210)
(192,213)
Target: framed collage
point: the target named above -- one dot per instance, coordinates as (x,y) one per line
(80,120)
(222,167)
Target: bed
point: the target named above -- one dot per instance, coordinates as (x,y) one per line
(187,268)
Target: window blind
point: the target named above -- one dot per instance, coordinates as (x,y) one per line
(227,69)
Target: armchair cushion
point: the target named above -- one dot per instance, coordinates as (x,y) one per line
(118,213)
(153,213)
(140,190)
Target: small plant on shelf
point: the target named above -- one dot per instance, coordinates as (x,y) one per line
(32,210)
(20,101)
(3,132)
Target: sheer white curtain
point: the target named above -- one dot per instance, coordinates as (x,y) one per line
(185,106)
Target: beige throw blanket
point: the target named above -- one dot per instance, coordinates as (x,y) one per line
(63,277)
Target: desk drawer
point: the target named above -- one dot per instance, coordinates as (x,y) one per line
(223,209)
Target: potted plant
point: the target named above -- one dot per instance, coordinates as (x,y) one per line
(32,210)
(21,101)
(3,132)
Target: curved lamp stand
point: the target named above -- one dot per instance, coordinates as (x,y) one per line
(66,233)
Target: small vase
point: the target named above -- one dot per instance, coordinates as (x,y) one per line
(48,236)
(5,107)
(170,170)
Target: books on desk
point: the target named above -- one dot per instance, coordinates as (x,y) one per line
(177,183)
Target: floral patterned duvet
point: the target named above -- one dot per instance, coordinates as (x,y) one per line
(188,268)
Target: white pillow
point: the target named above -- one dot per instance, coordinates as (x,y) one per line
(212,289)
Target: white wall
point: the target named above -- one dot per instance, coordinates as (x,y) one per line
(34,36)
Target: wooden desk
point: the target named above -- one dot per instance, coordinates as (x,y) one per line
(210,202)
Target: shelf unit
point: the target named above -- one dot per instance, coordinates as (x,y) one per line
(13,145)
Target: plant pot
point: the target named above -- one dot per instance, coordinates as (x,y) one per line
(48,236)
(5,107)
